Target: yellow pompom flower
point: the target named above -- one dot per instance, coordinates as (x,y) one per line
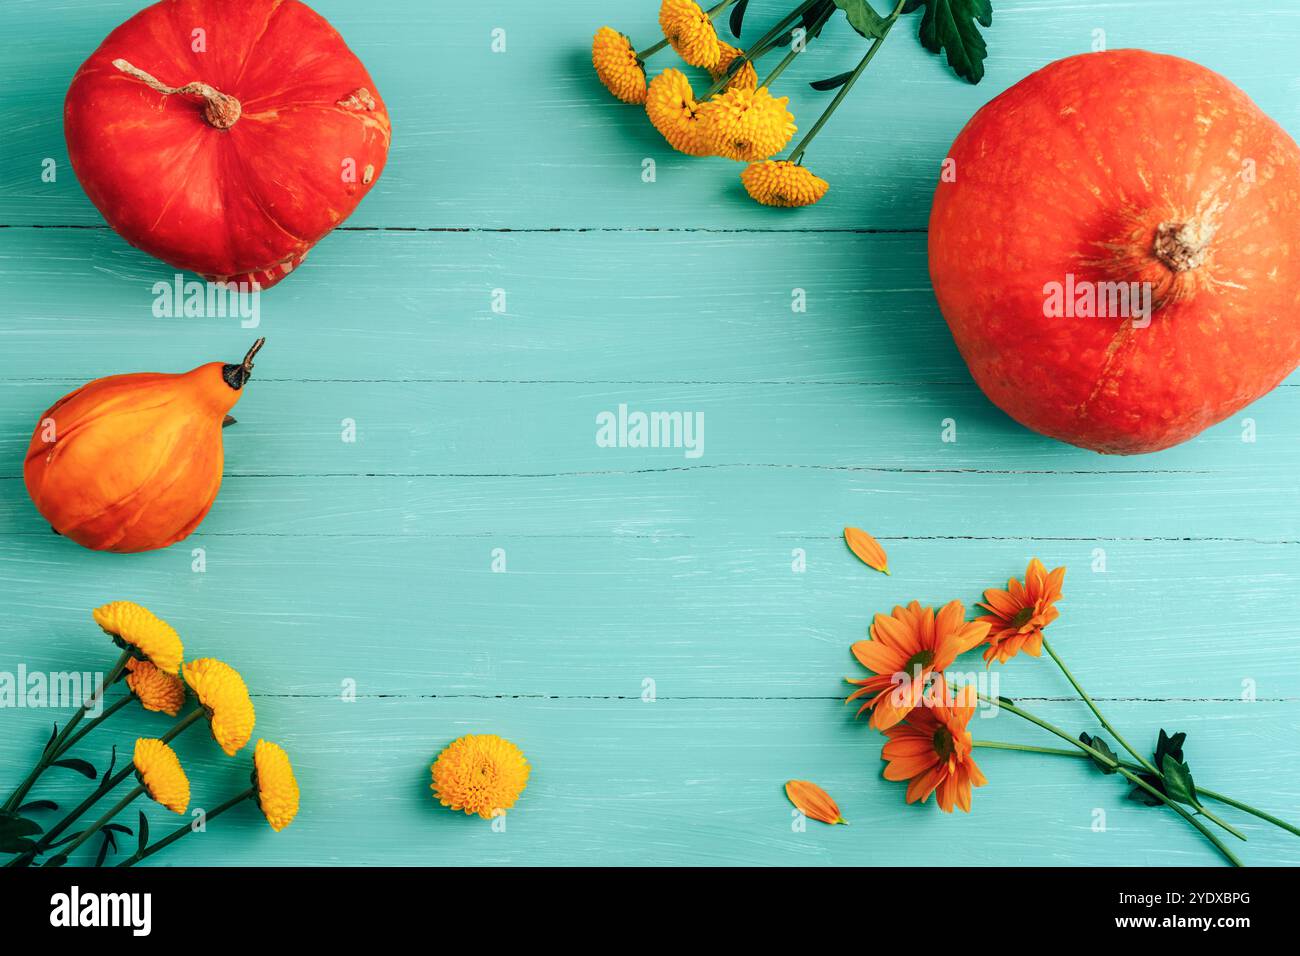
(138,629)
(690,31)
(224,696)
(160,773)
(745,78)
(277,790)
(617,65)
(746,125)
(671,107)
(157,690)
(783,183)
(480,773)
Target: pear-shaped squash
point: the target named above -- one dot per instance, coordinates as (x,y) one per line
(133,462)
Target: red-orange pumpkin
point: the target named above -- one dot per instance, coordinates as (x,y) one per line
(1121,167)
(226,136)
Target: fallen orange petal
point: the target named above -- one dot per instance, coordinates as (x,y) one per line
(813,801)
(867,549)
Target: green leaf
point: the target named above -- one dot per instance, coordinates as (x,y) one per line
(15,832)
(39,805)
(1096,743)
(1171,746)
(83,767)
(951,26)
(863,17)
(737,17)
(1178,781)
(832,82)
(103,848)
(143,833)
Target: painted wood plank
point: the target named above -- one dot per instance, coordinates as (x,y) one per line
(528,138)
(694,782)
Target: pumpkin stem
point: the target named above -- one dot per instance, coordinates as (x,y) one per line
(237,375)
(1183,246)
(219,109)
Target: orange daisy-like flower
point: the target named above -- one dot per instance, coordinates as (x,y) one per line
(157,690)
(906,649)
(745,78)
(617,65)
(746,125)
(672,109)
(780,182)
(480,773)
(931,750)
(159,771)
(1018,615)
(690,31)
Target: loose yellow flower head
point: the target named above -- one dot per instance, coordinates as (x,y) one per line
(480,773)
(224,696)
(783,183)
(691,33)
(160,772)
(671,107)
(617,66)
(277,790)
(156,689)
(746,125)
(134,627)
(745,78)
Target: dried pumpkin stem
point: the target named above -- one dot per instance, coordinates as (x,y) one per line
(220,109)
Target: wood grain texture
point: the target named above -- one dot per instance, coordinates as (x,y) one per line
(329,561)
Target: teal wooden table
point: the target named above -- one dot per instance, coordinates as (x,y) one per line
(634,618)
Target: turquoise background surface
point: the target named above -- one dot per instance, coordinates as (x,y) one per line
(371,562)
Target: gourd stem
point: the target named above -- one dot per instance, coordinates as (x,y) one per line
(220,109)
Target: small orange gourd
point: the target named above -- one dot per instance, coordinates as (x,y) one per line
(133,462)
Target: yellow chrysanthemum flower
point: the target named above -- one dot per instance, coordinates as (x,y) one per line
(137,628)
(672,109)
(277,790)
(746,125)
(617,66)
(783,183)
(157,690)
(690,31)
(745,78)
(159,770)
(480,773)
(224,695)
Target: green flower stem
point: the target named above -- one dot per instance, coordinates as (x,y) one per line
(98,825)
(1201,791)
(185,828)
(712,14)
(761,47)
(1127,774)
(60,743)
(113,709)
(1146,764)
(797,154)
(780,68)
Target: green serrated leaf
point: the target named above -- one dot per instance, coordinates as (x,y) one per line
(952,27)
(1178,781)
(863,17)
(1141,796)
(1096,743)
(83,767)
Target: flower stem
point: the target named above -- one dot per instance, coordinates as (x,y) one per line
(60,744)
(98,825)
(1127,774)
(1201,791)
(780,68)
(185,828)
(113,709)
(802,147)
(761,47)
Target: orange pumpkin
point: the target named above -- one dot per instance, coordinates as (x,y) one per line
(133,462)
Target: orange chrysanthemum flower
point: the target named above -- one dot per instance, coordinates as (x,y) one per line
(746,125)
(277,788)
(617,65)
(160,773)
(779,182)
(672,109)
(906,649)
(480,773)
(745,78)
(1018,615)
(931,749)
(224,696)
(690,31)
(142,632)
(157,690)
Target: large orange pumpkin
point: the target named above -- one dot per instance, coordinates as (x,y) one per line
(1120,168)
(134,462)
(226,136)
